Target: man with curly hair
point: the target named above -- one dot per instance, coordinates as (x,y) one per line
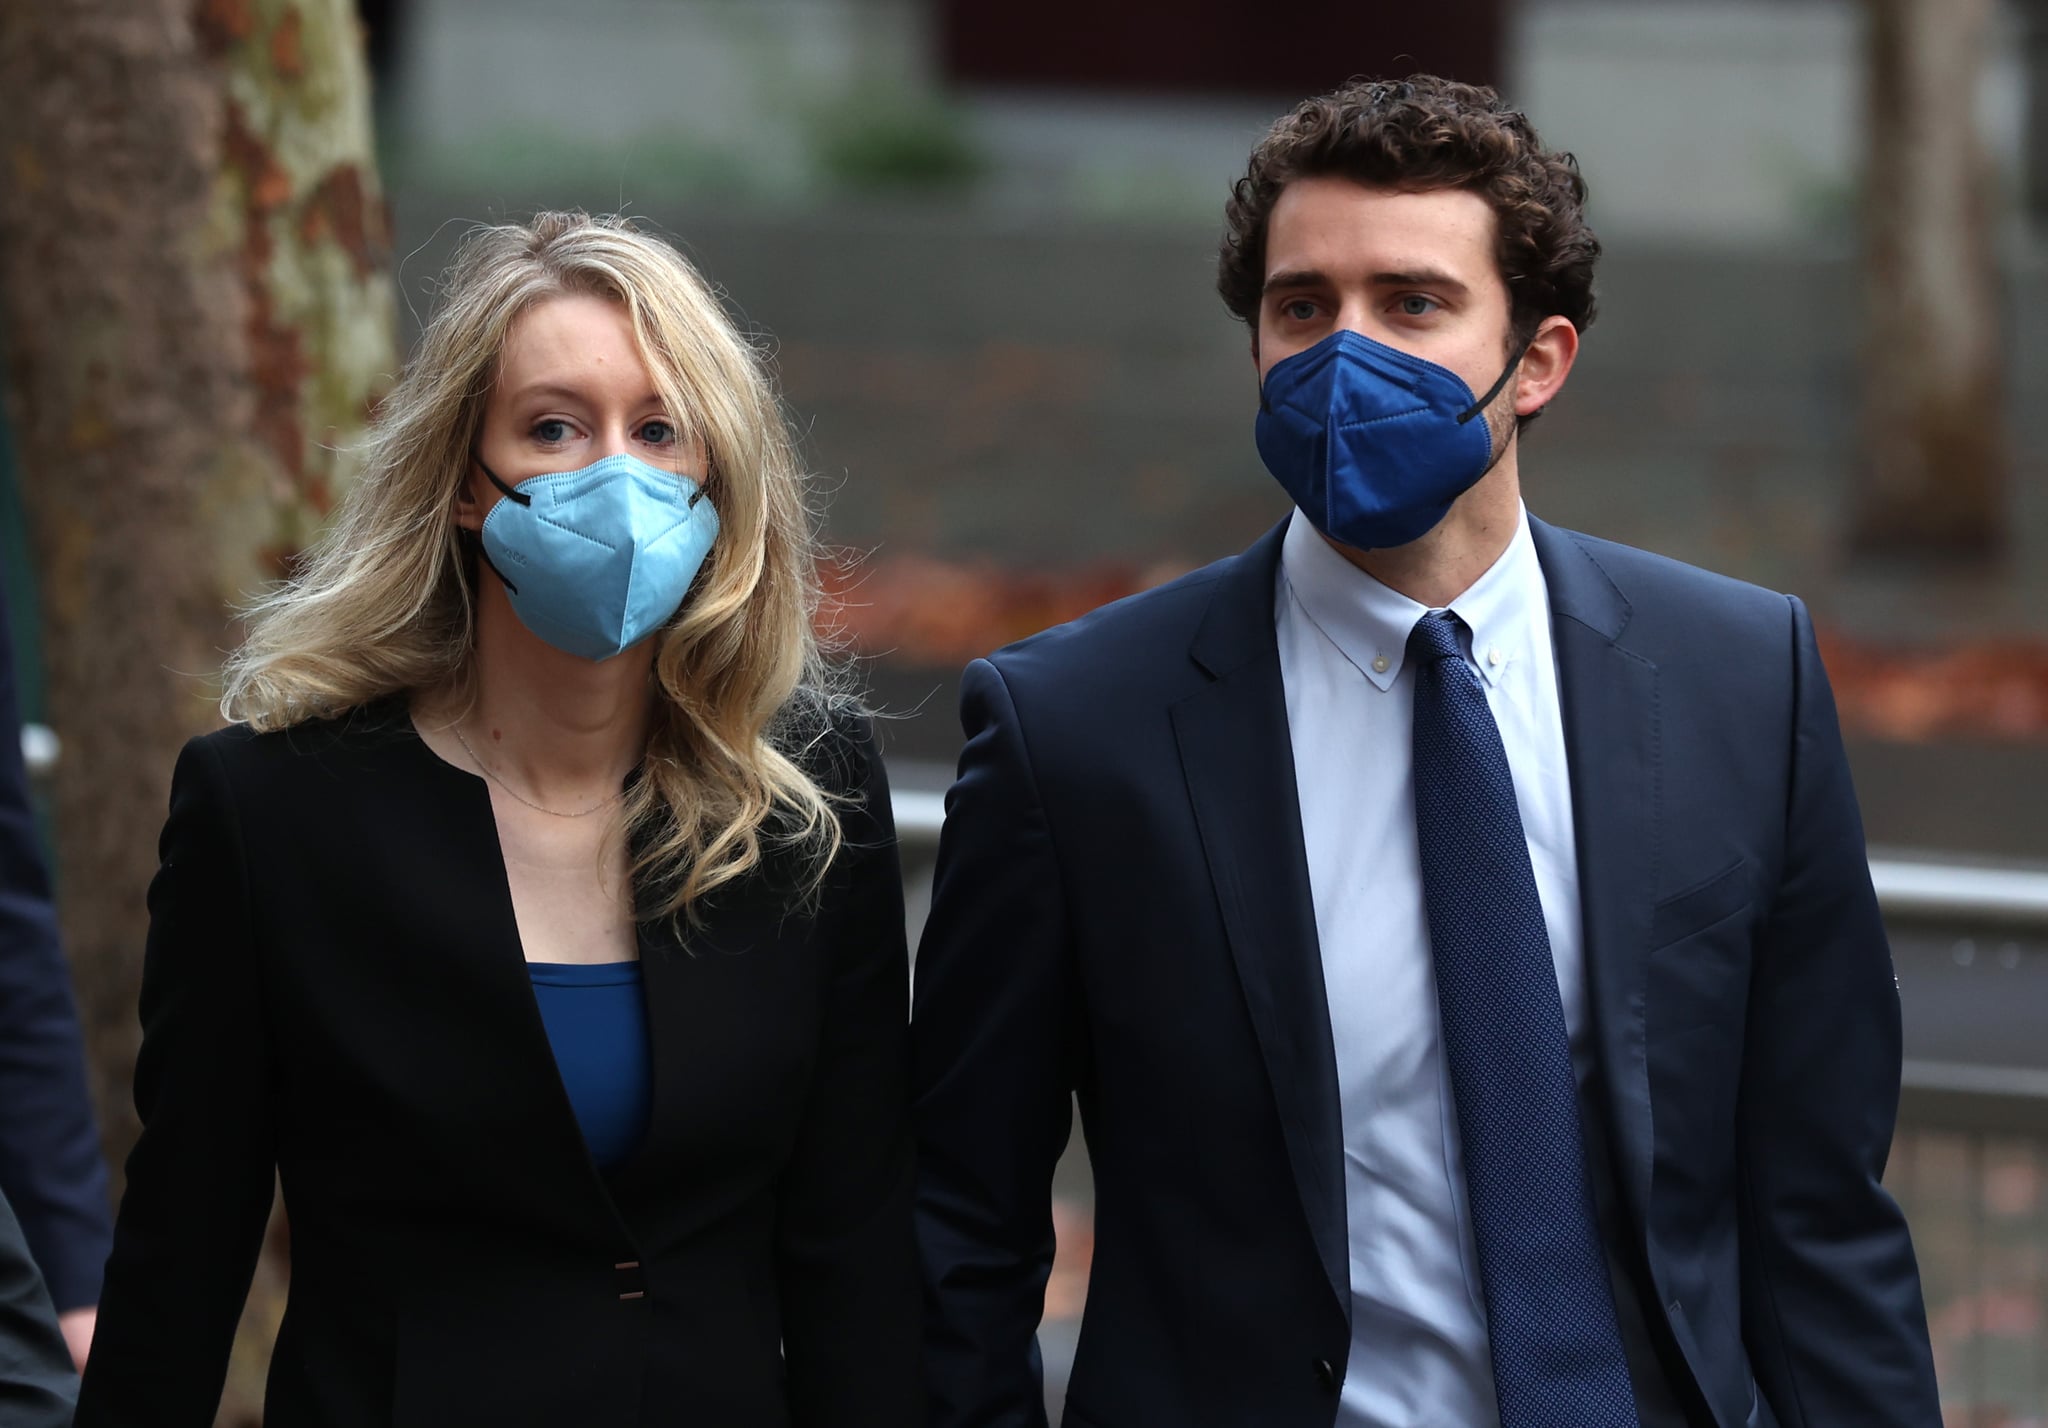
(1457,930)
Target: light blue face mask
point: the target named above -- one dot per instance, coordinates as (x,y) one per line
(597,560)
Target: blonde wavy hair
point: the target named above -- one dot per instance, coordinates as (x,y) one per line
(384,603)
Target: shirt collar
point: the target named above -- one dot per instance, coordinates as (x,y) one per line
(1369,623)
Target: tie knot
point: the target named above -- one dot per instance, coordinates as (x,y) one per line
(1435,637)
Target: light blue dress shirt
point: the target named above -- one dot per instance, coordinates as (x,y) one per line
(1418,1313)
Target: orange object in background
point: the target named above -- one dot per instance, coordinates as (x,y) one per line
(1995,690)
(920,610)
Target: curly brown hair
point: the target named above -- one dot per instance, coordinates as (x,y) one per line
(1420,134)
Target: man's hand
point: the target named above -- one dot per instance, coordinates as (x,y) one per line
(77,1325)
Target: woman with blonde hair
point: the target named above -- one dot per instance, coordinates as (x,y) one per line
(538,925)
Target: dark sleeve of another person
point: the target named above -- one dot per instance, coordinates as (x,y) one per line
(846,1256)
(37,1387)
(201,1177)
(50,1165)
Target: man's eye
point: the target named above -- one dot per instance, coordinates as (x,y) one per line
(1416,305)
(657,433)
(551,430)
(1301,309)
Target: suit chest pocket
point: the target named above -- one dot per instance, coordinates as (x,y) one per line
(1700,947)
(1702,906)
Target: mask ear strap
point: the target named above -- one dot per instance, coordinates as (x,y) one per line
(519,496)
(1491,392)
(475,542)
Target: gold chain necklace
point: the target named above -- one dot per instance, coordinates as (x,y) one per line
(491,774)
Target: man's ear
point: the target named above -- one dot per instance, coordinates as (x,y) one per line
(1545,365)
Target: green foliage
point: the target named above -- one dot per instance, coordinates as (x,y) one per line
(876,141)
(1827,203)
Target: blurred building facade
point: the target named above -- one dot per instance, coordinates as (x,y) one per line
(1704,122)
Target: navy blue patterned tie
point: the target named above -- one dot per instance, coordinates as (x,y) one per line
(1557,1355)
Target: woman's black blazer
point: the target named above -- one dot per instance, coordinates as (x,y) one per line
(334,993)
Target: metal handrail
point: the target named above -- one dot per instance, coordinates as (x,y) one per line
(1905,887)
(1944,1091)
(1999,1100)
(1955,890)
(919,816)
(1965,1079)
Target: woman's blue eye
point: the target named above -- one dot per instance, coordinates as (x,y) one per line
(551,430)
(1416,305)
(657,433)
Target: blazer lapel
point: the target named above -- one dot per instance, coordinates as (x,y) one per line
(477,962)
(1238,759)
(1612,737)
(742,928)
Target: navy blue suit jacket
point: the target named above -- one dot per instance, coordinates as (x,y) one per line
(50,1163)
(1123,912)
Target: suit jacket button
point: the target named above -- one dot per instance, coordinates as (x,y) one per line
(1326,1375)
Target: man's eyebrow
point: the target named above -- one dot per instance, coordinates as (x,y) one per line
(1293,278)
(1419,278)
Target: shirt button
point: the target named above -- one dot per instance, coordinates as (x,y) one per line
(1326,1375)
(1493,658)
(1379,664)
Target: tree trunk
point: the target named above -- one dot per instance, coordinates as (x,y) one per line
(195,287)
(1934,459)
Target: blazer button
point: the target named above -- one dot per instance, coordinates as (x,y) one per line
(1326,1375)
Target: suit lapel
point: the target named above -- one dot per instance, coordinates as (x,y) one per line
(741,927)
(477,963)
(1238,759)
(1613,739)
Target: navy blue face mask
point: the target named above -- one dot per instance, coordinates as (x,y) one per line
(1373,444)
